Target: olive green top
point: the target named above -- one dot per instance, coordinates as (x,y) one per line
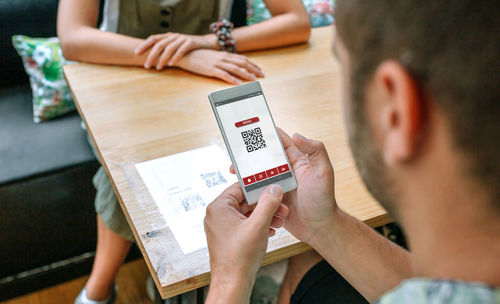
(141,18)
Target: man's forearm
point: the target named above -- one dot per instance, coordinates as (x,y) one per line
(371,263)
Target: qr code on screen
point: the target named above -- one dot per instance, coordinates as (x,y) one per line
(253,139)
(192,201)
(213,179)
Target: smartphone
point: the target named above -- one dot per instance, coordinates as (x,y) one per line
(252,140)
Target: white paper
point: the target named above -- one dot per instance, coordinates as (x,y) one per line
(182,185)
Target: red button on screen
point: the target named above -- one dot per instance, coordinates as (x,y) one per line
(283,169)
(246,122)
(260,176)
(249,180)
(272,172)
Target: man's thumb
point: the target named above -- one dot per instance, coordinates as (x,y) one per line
(269,202)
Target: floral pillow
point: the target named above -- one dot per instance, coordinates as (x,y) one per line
(320,11)
(43,61)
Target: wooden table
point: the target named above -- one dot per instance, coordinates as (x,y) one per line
(134,115)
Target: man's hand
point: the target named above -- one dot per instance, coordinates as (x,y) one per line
(355,250)
(312,205)
(237,236)
(226,66)
(167,49)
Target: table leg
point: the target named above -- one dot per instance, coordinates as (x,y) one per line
(200,297)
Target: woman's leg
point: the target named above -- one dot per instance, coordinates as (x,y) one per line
(110,253)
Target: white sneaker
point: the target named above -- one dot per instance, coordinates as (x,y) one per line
(83,299)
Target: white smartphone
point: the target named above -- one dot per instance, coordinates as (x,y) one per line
(252,140)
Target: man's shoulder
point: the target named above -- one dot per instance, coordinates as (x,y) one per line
(416,291)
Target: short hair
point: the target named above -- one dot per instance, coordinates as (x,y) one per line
(452,50)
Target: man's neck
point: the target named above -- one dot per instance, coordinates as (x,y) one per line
(468,254)
(451,232)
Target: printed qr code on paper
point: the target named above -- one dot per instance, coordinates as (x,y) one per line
(253,139)
(213,179)
(192,201)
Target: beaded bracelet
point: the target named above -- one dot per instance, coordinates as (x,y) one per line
(222,29)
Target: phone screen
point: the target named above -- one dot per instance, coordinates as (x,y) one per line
(253,140)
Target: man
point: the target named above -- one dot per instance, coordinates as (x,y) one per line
(423,118)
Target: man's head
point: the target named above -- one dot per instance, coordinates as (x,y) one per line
(407,62)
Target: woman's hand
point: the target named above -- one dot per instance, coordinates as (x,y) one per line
(232,68)
(167,49)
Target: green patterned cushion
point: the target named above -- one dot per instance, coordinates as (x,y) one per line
(43,61)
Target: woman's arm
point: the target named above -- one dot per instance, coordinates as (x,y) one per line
(289,25)
(82,41)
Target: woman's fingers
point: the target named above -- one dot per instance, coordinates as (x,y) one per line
(245,63)
(146,44)
(157,50)
(181,51)
(168,51)
(223,75)
(215,64)
(236,70)
(150,42)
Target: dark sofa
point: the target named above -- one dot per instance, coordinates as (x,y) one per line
(47,218)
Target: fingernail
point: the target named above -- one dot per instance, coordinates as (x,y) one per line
(275,190)
(301,136)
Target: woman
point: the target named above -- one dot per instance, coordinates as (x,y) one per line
(159,34)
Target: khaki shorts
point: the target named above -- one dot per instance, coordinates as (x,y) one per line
(107,206)
(106,203)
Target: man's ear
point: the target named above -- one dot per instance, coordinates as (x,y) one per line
(402,116)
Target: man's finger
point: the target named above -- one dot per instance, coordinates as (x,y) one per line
(233,195)
(245,208)
(293,153)
(269,202)
(271,232)
(315,150)
(225,207)
(283,211)
(276,222)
